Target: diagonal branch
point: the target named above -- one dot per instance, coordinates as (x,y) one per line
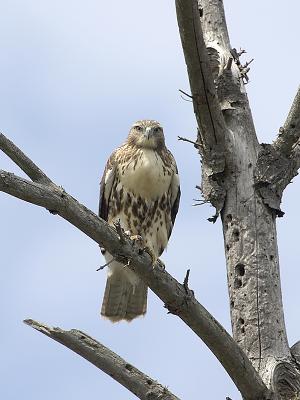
(19,158)
(172,293)
(290,132)
(131,378)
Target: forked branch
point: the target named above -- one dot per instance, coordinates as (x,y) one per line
(171,292)
(127,375)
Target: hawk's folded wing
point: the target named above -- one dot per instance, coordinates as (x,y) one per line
(174,196)
(106,185)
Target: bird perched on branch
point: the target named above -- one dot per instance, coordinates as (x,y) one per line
(140,189)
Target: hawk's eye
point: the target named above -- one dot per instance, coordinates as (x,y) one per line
(156,130)
(138,128)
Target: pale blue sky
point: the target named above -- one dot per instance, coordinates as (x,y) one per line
(74,75)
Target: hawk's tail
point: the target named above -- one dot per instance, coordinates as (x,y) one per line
(123,298)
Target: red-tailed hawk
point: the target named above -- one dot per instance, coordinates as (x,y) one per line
(140,188)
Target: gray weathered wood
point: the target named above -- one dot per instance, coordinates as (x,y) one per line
(127,375)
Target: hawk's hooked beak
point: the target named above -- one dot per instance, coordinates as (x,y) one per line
(148,132)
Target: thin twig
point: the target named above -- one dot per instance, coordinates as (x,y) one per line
(186,281)
(200,202)
(248,63)
(105,359)
(186,94)
(188,141)
(106,264)
(242,51)
(189,101)
(244,69)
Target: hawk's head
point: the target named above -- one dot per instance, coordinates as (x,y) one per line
(147,134)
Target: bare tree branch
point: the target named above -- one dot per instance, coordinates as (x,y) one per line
(289,134)
(131,378)
(180,138)
(19,158)
(171,292)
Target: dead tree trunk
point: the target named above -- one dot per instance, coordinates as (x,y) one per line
(244,181)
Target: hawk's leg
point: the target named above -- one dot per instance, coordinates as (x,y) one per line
(139,241)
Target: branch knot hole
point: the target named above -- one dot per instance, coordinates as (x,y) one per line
(228,218)
(240,269)
(239,272)
(236,234)
(241,323)
(238,283)
(129,367)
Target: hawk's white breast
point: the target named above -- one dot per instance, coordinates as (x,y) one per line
(147,176)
